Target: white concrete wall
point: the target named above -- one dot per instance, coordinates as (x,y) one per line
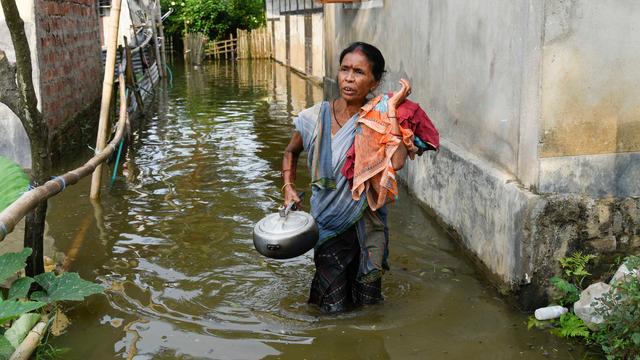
(318,45)
(14,143)
(591,98)
(296,36)
(296,39)
(529,96)
(466,68)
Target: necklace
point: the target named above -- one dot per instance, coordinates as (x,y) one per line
(333,110)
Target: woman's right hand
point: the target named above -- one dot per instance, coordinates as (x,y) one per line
(291,196)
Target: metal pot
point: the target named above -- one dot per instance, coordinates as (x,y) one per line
(285,234)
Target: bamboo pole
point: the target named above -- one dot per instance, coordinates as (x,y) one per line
(30,199)
(107,85)
(130,76)
(156,46)
(163,50)
(30,342)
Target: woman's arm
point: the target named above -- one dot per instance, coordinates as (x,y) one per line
(289,166)
(400,156)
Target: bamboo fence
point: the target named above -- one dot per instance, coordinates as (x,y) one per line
(254,44)
(194,47)
(223,48)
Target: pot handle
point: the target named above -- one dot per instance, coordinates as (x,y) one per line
(284,211)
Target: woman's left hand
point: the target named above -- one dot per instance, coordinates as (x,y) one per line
(400,95)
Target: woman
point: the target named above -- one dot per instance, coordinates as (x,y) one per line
(345,273)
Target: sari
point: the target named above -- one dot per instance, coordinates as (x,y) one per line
(348,266)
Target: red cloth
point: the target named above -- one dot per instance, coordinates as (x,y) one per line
(410,116)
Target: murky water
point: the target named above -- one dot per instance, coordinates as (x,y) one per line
(172,241)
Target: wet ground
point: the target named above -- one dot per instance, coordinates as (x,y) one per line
(172,241)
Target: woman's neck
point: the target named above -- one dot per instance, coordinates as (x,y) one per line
(348,108)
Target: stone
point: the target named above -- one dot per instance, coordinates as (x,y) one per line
(589,300)
(623,271)
(604,213)
(630,207)
(635,241)
(617,223)
(606,244)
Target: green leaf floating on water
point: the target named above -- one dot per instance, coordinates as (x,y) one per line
(11,309)
(68,286)
(10,263)
(6,349)
(13,182)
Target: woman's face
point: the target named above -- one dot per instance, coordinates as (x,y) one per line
(355,77)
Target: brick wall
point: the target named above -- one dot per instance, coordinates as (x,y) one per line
(68,35)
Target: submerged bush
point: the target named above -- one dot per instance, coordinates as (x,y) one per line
(619,335)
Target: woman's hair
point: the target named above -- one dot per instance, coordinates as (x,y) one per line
(373,55)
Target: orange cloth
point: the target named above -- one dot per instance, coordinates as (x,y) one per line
(374,146)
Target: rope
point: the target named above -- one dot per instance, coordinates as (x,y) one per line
(3,229)
(170,75)
(61,180)
(115,166)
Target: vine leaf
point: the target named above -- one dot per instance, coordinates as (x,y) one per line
(20,288)
(11,263)
(6,349)
(12,309)
(68,286)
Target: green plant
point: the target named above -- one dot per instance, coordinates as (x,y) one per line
(567,293)
(13,182)
(17,304)
(619,335)
(575,267)
(571,326)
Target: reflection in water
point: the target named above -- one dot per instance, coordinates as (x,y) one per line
(174,247)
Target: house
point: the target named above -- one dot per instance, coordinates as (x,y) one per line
(538,105)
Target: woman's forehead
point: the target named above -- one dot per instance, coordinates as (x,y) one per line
(357,59)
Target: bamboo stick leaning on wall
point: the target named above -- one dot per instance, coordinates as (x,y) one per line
(30,199)
(107,86)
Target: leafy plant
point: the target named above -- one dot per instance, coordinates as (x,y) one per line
(567,292)
(619,336)
(215,18)
(13,182)
(571,326)
(17,305)
(575,267)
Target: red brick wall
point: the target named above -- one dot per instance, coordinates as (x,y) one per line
(68,35)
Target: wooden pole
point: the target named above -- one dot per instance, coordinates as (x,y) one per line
(130,76)
(156,46)
(163,50)
(107,85)
(10,216)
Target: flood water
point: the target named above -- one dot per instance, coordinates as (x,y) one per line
(172,241)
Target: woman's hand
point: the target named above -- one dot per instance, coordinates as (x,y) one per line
(291,196)
(399,96)
(289,165)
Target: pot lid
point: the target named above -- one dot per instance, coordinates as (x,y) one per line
(274,224)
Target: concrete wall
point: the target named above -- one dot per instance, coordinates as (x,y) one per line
(291,40)
(521,91)
(591,98)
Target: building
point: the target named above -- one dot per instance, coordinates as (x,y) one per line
(64,37)
(538,105)
(297,34)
